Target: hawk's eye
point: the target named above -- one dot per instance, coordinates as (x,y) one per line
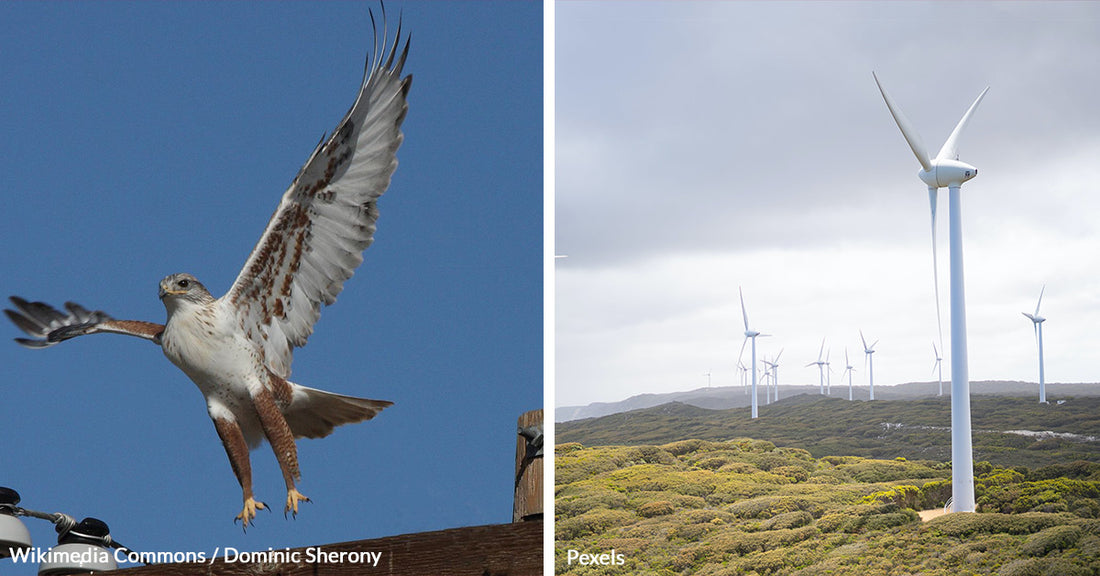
(184,283)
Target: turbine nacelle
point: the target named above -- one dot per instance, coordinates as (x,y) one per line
(1034,318)
(947,173)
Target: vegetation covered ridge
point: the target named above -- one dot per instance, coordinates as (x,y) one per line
(746,506)
(1004,428)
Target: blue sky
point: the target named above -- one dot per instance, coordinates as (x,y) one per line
(140,140)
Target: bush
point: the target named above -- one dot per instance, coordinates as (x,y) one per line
(966,524)
(655,508)
(591,522)
(1054,538)
(769,506)
(787,520)
(884,521)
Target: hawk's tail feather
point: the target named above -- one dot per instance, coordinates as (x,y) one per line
(314,413)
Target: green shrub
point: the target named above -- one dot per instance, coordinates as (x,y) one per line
(768,506)
(1054,538)
(787,520)
(567,447)
(655,508)
(966,524)
(591,522)
(884,521)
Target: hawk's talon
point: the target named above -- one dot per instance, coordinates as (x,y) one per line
(293,496)
(249,512)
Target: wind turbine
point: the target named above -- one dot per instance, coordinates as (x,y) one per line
(774,366)
(848,370)
(750,334)
(828,374)
(767,383)
(869,360)
(946,170)
(744,372)
(937,368)
(820,366)
(1037,322)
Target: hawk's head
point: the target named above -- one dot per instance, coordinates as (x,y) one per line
(180,288)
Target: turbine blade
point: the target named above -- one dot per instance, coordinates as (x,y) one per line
(864,340)
(822,350)
(743,313)
(742,354)
(1040,300)
(950,149)
(907,130)
(933,194)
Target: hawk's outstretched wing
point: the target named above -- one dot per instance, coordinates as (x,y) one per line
(315,239)
(48,326)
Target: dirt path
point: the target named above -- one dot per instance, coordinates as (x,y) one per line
(926,515)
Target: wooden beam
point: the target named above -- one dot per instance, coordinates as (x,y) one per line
(496,550)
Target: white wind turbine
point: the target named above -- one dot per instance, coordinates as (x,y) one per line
(750,334)
(744,374)
(1037,322)
(946,170)
(767,383)
(820,366)
(869,362)
(828,374)
(937,367)
(774,368)
(848,370)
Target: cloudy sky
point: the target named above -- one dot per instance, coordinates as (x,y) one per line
(143,139)
(705,146)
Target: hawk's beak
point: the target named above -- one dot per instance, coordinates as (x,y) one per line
(165,292)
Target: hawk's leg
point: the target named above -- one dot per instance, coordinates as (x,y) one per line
(237,450)
(282,443)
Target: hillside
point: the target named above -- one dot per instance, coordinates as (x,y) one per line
(724,397)
(747,507)
(1008,431)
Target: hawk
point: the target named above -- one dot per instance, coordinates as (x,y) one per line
(238,348)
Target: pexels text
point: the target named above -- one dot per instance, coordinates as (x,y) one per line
(606,559)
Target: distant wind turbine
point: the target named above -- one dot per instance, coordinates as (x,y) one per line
(828,374)
(937,368)
(707,374)
(774,366)
(1037,322)
(869,362)
(848,370)
(946,170)
(820,366)
(750,334)
(744,373)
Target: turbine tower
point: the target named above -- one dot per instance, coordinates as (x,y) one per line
(869,362)
(750,334)
(828,374)
(820,366)
(1037,322)
(937,368)
(774,368)
(848,370)
(945,170)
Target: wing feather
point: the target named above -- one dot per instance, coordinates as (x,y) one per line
(315,239)
(47,325)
